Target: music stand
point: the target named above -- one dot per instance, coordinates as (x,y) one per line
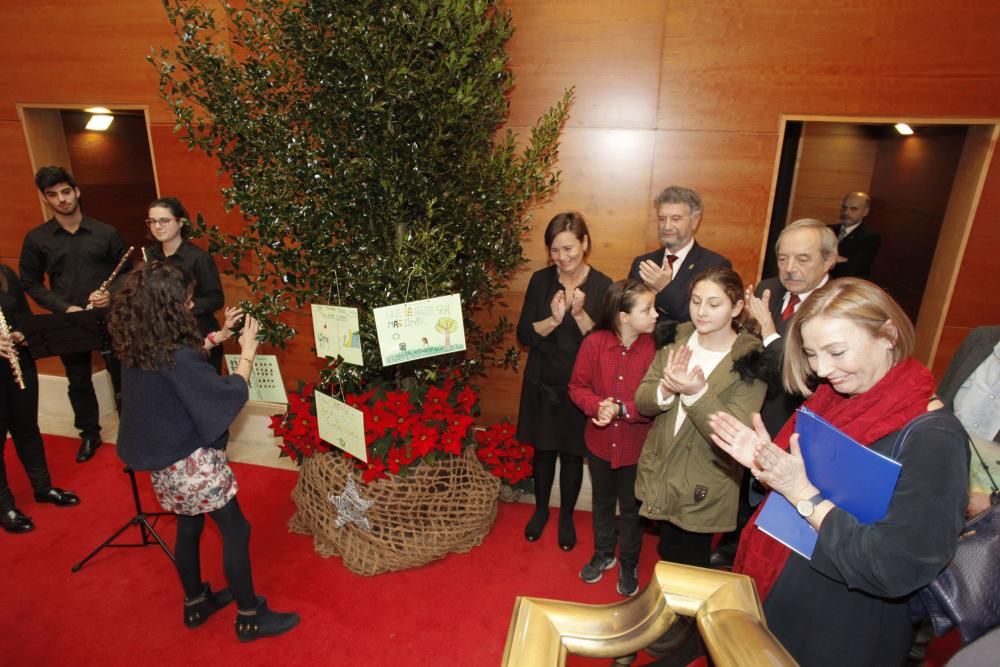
(141,520)
(65,333)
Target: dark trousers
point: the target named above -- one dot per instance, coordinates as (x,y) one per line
(81,390)
(19,417)
(235,531)
(682,546)
(611,488)
(730,541)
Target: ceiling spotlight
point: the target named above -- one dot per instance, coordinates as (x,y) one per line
(904,129)
(100,122)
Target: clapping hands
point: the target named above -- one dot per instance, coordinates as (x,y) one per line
(677,378)
(558,306)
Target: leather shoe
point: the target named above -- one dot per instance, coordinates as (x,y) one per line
(88,446)
(58,497)
(13,521)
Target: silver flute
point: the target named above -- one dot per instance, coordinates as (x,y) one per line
(15,365)
(114,274)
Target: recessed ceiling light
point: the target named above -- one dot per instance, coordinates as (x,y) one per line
(903,128)
(100,122)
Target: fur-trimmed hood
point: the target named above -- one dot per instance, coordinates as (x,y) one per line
(749,361)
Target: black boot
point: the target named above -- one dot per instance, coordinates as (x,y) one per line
(536,524)
(261,622)
(198,609)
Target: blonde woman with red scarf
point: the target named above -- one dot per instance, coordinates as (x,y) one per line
(848,605)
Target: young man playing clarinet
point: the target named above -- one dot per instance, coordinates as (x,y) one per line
(77,254)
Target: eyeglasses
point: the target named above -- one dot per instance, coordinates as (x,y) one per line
(162,222)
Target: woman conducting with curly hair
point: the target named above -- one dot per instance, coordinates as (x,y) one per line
(176,413)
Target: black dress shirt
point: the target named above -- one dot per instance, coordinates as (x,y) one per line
(208,296)
(76,264)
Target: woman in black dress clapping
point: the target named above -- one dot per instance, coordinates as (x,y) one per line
(560,306)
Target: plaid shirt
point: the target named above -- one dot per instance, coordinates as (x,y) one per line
(607,369)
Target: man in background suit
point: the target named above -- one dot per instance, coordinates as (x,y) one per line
(971,388)
(670,271)
(855,240)
(806,250)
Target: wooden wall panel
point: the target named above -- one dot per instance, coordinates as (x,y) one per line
(834,159)
(974,301)
(609,50)
(734,67)
(87,53)
(20,211)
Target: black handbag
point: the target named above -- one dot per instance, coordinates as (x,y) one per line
(966,594)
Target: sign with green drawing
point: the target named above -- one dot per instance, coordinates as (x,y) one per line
(335,330)
(419,329)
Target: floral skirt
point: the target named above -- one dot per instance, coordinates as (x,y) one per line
(202,482)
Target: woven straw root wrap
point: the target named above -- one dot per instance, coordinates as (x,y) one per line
(436,510)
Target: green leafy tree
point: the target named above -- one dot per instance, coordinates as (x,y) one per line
(362,140)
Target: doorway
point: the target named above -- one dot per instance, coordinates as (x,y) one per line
(924,190)
(114,168)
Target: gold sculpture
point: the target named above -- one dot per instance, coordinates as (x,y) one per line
(729,615)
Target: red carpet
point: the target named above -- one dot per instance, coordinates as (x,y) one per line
(124,606)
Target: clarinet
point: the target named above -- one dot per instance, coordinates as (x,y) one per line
(15,365)
(114,274)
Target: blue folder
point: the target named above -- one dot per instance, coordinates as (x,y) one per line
(857,480)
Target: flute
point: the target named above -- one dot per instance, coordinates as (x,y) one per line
(15,365)
(114,274)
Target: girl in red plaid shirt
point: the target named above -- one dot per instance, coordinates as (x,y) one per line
(609,366)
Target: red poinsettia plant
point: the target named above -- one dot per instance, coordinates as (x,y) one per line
(405,427)
(503,454)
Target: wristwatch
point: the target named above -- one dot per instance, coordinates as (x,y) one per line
(807,507)
(621,409)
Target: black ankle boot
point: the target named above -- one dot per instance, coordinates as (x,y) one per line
(567,531)
(262,622)
(536,525)
(198,609)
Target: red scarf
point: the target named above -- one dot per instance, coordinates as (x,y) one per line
(902,394)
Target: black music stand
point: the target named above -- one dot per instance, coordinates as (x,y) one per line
(140,520)
(65,333)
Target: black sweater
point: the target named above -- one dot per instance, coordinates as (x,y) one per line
(168,414)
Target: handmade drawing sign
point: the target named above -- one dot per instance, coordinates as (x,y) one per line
(341,425)
(419,329)
(335,330)
(265,378)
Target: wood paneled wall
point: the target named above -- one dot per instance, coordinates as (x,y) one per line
(683,92)
(834,159)
(911,185)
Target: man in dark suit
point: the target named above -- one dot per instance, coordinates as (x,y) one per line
(806,250)
(856,242)
(971,388)
(670,270)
